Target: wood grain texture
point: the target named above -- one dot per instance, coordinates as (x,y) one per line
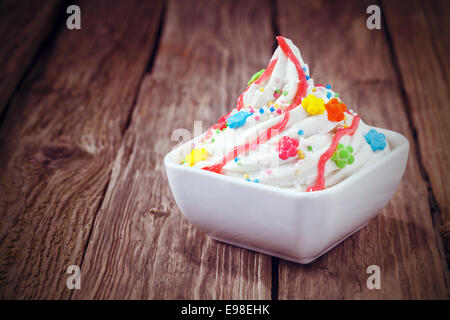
(421,42)
(23,27)
(59,140)
(340,50)
(142,247)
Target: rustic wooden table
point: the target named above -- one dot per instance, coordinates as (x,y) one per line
(87,116)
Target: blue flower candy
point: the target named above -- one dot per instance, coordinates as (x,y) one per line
(238,120)
(376,140)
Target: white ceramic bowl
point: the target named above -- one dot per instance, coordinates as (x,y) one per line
(294,226)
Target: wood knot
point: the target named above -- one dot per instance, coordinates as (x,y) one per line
(58,151)
(157,212)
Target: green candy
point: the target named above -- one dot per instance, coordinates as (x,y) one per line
(350,159)
(343,155)
(256,76)
(341,163)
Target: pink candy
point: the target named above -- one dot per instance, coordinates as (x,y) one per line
(287,147)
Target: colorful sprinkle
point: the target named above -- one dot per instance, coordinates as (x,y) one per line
(335,110)
(272,109)
(285,93)
(236,159)
(237,120)
(314,90)
(196,155)
(310,148)
(307,77)
(287,147)
(329,94)
(300,154)
(279,111)
(328,86)
(246,176)
(376,140)
(313,105)
(261,89)
(256,181)
(268,171)
(336,95)
(256,76)
(257,118)
(343,155)
(300,132)
(261,110)
(276,93)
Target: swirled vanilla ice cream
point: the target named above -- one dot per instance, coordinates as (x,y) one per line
(287,132)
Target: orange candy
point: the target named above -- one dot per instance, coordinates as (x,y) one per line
(335,110)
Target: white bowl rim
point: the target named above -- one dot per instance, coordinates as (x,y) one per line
(168,162)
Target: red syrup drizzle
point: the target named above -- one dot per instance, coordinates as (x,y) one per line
(221,124)
(277,128)
(320,182)
(243,148)
(302,85)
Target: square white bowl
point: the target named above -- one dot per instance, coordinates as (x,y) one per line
(298,227)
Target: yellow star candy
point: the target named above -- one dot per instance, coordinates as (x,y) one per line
(196,155)
(313,105)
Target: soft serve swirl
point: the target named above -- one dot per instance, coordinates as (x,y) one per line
(287,132)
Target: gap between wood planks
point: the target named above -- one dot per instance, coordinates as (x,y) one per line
(147,70)
(275,260)
(47,42)
(435,210)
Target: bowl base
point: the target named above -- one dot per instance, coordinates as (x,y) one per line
(285,257)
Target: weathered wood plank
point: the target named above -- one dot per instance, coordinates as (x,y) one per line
(340,50)
(421,39)
(141,245)
(60,138)
(23,27)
